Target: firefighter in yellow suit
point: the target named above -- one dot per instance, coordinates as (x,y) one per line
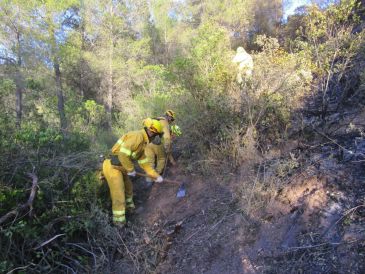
(117,170)
(158,151)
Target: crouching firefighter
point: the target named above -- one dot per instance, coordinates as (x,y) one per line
(118,169)
(159,151)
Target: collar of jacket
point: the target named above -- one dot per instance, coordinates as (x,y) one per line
(146,139)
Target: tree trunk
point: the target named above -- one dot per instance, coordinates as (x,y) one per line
(166,45)
(19,97)
(109,97)
(19,84)
(82,61)
(59,92)
(57,74)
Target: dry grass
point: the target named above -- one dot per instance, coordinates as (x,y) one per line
(260,182)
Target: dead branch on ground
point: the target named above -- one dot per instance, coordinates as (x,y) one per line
(28,204)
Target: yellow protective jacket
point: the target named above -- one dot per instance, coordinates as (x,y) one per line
(166,132)
(131,147)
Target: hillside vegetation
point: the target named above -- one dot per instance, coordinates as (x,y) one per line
(274,166)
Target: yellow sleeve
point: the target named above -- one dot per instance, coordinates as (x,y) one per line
(166,134)
(126,162)
(116,147)
(126,152)
(149,153)
(143,162)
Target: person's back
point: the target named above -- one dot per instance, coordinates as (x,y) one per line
(245,64)
(159,153)
(119,168)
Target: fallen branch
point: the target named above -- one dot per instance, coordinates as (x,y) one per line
(28,204)
(20,268)
(359,161)
(332,140)
(217,223)
(295,248)
(198,230)
(84,249)
(48,241)
(351,210)
(312,246)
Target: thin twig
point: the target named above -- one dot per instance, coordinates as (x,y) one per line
(333,141)
(322,244)
(188,238)
(312,246)
(84,249)
(351,210)
(19,268)
(253,188)
(48,241)
(217,223)
(130,254)
(67,267)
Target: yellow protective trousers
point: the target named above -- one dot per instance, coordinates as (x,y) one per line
(156,156)
(121,190)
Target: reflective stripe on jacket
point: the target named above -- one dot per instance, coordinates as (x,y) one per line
(131,147)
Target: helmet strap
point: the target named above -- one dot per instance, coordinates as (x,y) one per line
(150,134)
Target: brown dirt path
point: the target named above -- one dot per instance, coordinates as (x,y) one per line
(299,231)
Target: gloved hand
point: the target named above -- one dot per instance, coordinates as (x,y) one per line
(149,180)
(159,179)
(132,173)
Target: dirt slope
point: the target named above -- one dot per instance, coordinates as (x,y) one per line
(314,223)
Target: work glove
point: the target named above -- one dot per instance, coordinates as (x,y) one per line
(132,173)
(159,179)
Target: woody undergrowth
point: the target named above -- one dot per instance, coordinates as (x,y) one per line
(67,227)
(323,67)
(240,124)
(228,129)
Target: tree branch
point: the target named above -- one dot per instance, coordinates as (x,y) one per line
(8,59)
(29,203)
(48,241)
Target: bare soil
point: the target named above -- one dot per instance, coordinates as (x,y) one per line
(315,222)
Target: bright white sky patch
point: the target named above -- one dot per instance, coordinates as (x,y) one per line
(289,10)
